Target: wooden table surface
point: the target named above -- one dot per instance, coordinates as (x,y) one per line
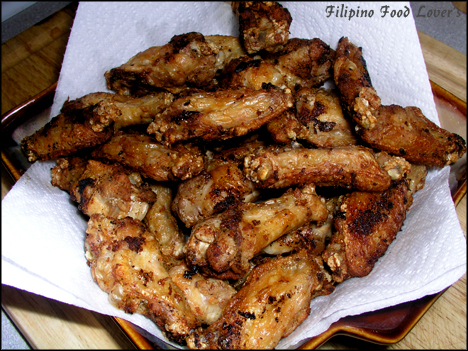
(31,62)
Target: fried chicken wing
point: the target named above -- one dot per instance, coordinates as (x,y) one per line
(346,166)
(143,154)
(66,134)
(109,190)
(263,25)
(188,60)
(301,64)
(406,132)
(400,131)
(313,236)
(216,189)
(125,262)
(206,297)
(163,225)
(219,115)
(90,121)
(228,241)
(270,305)
(367,223)
(318,121)
(127,110)
(304,63)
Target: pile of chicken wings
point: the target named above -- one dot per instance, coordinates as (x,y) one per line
(226,188)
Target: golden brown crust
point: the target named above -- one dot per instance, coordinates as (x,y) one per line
(304,63)
(219,115)
(206,297)
(229,240)
(400,131)
(212,191)
(318,120)
(347,166)
(126,263)
(263,25)
(406,132)
(351,77)
(313,236)
(251,73)
(273,301)
(63,136)
(67,172)
(111,190)
(128,110)
(366,224)
(163,225)
(143,154)
(187,60)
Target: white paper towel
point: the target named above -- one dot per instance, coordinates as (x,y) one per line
(43,232)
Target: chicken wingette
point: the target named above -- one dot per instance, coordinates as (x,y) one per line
(353,166)
(141,153)
(272,303)
(219,115)
(366,223)
(225,243)
(126,263)
(401,131)
(105,189)
(163,225)
(187,60)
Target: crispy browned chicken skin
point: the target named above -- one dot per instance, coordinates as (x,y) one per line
(214,190)
(67,172)
(227,241)
(263,25)
(219,115)
(251,72)
(143,154)
(89,121)
(304,63)
(346,166)
(366,223)
(206,296)
(273,301)
(66,134)
(188,60)
(125,262)
(400,131)
(313,236)
(109,190)
(128,110)
(318,120)
(163,225)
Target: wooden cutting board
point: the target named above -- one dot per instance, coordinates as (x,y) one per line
(31,62)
